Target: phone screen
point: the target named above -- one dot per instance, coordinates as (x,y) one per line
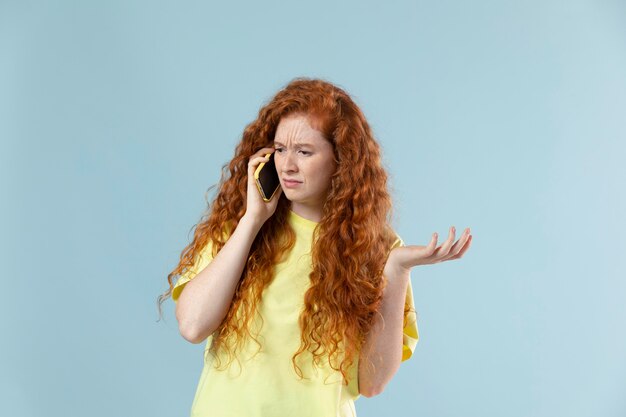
(267,179)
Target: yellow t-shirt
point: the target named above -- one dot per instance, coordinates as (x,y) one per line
(266,384)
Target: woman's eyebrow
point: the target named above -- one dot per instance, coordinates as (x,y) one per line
(297,144)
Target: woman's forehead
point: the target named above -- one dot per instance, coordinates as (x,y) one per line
(297,131)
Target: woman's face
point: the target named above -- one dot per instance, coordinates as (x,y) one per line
(304,155)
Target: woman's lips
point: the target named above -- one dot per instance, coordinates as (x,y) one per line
(291,184)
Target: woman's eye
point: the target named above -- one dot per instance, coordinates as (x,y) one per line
(279,150)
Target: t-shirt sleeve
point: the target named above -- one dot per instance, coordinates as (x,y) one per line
(410,334)
(203,259)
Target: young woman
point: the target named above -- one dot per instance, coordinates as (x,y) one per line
(309,292)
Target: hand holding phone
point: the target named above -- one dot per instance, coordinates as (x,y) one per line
(262,197)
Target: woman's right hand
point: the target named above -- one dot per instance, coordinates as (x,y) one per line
(257,208)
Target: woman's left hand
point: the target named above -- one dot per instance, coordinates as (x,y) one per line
(403,258)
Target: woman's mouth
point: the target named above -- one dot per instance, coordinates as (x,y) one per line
(291,184)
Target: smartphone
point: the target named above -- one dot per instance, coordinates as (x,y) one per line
(266,178)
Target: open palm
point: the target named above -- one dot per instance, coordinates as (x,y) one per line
(406,257)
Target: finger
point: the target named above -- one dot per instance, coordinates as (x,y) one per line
(263,151)
(257,160)
(262,158)
(464,247)
(430,249)
(458,246)
(468,243)
(433,241)
(257,155)
(447,245)
(260,155)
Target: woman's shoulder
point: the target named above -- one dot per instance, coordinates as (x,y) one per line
(395,238)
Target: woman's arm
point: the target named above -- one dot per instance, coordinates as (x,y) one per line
(204,301)
(383,345)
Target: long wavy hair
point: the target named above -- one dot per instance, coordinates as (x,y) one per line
(351,242)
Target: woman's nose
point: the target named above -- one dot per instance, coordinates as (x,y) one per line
(289,163)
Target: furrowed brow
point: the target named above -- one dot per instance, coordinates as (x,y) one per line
(299,144)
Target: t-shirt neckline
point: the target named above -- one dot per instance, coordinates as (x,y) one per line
(301,220)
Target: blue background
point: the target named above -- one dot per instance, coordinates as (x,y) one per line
(505,117)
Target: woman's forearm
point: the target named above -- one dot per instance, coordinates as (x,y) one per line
(205,299)
(383,345)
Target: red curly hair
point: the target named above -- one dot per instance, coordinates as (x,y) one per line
(351,242)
